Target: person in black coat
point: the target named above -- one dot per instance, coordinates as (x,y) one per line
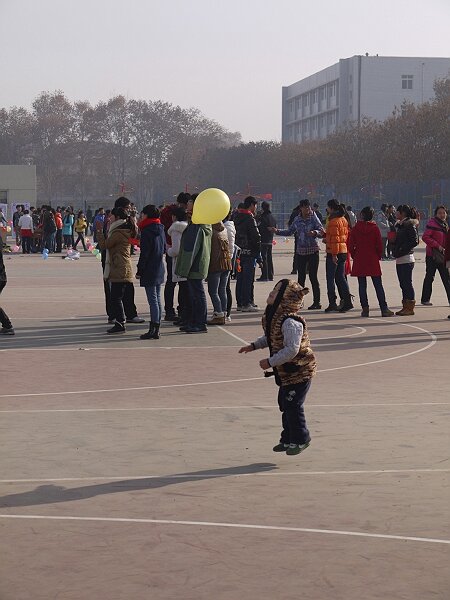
(7,328)
(266,220)
(150,268)
(406,240)
(248,239)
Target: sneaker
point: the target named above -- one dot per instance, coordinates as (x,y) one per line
(249,308)
(426,303)
(111,321)
(136,320)
(7,331)
(280,447)
(387,313)
(365,311)
(227,319)
(293,272)
(253,304)
(315,306)
(217,319)
(118,328)
(296,448)
(332,308)
(184,327)
(196,330)
(238,308)
(261,279)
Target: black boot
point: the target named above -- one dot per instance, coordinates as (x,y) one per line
(149,334)
(153,332)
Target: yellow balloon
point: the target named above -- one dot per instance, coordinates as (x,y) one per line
(211,206)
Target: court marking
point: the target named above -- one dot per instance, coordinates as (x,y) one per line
(433,341)
(362,534)
(231,407)
(212,475)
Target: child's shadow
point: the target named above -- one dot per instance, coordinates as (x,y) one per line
(53,494)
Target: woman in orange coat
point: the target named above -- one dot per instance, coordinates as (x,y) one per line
(336,240)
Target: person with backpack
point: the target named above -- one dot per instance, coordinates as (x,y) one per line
(435,236)
(406,240)
(218,273)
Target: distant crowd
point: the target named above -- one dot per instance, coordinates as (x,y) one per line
(179,253)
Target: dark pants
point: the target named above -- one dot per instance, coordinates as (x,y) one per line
(244,281)
(431,267)
(267,268)
(184,300)
(26,244)
(404,274)
(49,241)
(80,238)
(198,301)
(385,246)
(67,240)
(379,290)
(58,240)
(4,319)
(290,400)
(229,296)
(336,274)
(169,289)
(117,296)
(309,263)
(129,306)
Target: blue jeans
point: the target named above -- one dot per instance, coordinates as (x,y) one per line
(217,290)
(154,301)
(336,273)
(379,290)
(198,302)
(244,280)
(404,274)
(49,241)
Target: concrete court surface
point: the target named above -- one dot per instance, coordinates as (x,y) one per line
(144,470)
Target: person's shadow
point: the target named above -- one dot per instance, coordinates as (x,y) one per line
(53,494)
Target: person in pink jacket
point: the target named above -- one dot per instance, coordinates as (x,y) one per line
(435,239)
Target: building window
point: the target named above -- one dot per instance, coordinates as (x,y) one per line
(306,99)
(407,82)
(322,121)
(3,197)
(350,110)
(322,93)
(351,79)
(315,96)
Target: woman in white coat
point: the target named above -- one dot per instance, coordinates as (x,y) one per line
(231,232)
(175,232)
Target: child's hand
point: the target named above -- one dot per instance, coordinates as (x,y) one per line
(246,349)
(264,364)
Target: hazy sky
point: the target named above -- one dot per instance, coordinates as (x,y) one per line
(229,58)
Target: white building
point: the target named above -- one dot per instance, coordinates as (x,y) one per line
(17,186)
(354,88)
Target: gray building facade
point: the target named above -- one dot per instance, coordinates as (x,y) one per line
(354,88)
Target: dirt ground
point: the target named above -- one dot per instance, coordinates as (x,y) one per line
(144,469)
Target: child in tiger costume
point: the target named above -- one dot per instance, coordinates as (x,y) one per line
(291,358)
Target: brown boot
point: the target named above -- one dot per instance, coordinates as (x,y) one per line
(408,309)
(217,319)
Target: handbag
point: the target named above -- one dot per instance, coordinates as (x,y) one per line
(438,256)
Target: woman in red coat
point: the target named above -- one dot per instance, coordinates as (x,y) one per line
(366,249)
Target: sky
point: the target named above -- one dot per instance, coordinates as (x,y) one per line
(229,58)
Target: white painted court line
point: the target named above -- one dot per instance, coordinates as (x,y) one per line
(433,341)
(230,407)
(226,475)
(362,534)
(232,334)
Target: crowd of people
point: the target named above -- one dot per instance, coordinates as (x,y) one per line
(181,254)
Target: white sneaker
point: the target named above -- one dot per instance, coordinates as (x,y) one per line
(227,319)
(249,308)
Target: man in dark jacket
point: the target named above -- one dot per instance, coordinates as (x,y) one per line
(265,222)
(248,239)
(294,214)
(7,328)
